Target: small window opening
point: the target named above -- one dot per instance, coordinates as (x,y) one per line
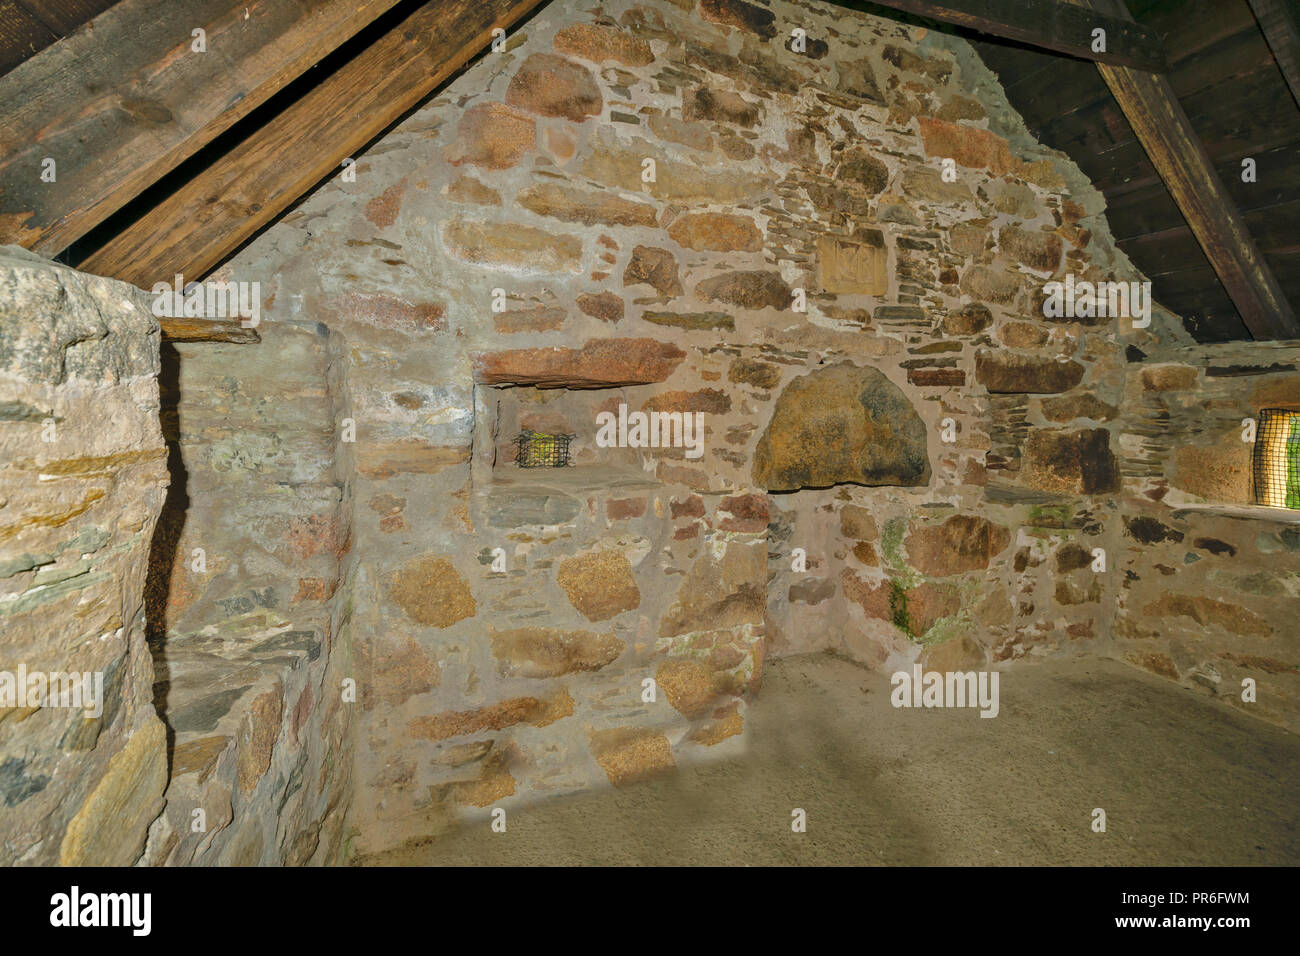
(1277,459)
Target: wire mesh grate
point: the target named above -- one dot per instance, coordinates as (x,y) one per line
(1277,459)
(542,450)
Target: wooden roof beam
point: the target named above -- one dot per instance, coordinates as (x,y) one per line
(1280,22)
(1167,135)
(1055,25)
(183,329)
(126,98)
(205,220)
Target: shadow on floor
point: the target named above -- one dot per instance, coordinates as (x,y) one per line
(1183,780)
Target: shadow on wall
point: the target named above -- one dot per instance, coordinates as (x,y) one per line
(167,533)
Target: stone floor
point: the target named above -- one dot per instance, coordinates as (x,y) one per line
(1183,780)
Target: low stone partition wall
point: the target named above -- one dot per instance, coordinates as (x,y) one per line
(83,471)
(250,671)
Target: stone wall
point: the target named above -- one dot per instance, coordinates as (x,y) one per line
(683,207)
(1210,580)
(368,623)
(83,470)
(244,628)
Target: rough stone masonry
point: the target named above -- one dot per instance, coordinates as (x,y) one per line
(834,250)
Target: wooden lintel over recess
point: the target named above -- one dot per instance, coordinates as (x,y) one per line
(127,97)
(1280,22)
(207,330)
(1053,25)
(1170,141)
(195,228)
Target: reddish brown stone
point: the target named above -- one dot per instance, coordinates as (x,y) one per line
(631,754)
(717,232)
(409,456)
(1211,613)
(1161,664)
(971,319)
(913,610)
(860,168)
(393,669)
(1078,462)
(313,589)
(504,245)
(550,652)
(749,290)
(995,285)
(967,145)
(1169,378)
(744,513)
(656,268)
(1023,335)
(621,509)
(605,306)
(258,734)
(466,188)
(708,400)
(388,312)
(842,423)
(494,136)
(962,543)
(1066,408)
(517,710)
(1018,372)
(719,106)
(383,209)
(599,584)
(1038,250)
(741,15)
(431,591)
(754,372)
(693,687)
(553,86)
(692,507)
(537,319)
(600,363)
(587,207)
(599,43)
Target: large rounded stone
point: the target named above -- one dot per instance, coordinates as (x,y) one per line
(842,424)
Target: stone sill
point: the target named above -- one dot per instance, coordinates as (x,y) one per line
(574,480)
(1252,512)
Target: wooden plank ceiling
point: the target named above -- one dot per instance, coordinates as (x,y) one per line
(1237,101)
(169,160)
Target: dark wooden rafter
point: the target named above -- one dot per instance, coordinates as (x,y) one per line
(1167,136)
(1051,24)
(1279,20)
(124,99)
(195,228)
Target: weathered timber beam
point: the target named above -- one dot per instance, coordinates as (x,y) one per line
(207,330)
(126,98)
(1053,25)
(195,228)
(1167,135)
(1280,22)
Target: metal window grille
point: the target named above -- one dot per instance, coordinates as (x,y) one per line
(541,450)
(1277,459)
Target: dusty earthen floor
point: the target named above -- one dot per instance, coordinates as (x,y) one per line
(1183,780)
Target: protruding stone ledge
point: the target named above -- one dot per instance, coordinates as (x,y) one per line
(600,363)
